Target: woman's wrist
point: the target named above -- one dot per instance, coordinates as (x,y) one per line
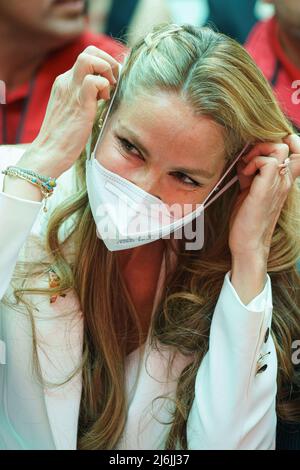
(43,162)
(33,159)
(248,275)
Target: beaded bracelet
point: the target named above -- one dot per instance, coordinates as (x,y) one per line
(46,184)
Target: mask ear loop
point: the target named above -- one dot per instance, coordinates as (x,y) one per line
(227,185)
(89,153)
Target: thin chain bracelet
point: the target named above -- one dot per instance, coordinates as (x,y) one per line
(46,184)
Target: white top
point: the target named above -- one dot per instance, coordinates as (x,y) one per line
(233,408)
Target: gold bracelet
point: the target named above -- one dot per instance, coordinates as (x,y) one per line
(44,183)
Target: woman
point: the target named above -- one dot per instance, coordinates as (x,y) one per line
(156,346)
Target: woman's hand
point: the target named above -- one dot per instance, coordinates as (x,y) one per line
(263,193)
(71,113)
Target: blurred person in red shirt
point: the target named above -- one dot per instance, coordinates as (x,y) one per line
(275,47)
(39,40)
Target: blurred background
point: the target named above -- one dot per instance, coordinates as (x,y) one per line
(130,19)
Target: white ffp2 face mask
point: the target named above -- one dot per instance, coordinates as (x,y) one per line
(126,216)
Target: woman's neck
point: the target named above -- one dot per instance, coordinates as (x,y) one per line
(140,268)
(137,257)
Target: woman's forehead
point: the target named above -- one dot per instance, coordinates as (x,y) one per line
(166,122)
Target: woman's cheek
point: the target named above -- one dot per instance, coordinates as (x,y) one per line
(114,161)
(182,200)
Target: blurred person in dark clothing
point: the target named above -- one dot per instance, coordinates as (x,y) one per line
(128,20)
(275,47)
(233,17)
(119,17)
(39,40)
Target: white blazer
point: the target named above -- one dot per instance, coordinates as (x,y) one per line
(233,407)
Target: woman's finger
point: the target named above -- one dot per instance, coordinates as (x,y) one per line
(261,163)
(269,176)
(293,141)
(90,65)
(279,150)
(95,51)
(94,88)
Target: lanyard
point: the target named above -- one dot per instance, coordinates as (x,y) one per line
(274,81)
(22,120)
(275,75)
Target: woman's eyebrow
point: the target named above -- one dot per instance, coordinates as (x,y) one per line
(196,172)
(135,139)
(191,171)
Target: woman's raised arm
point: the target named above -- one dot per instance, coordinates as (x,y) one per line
(234,405)
(64,133)
(235,389)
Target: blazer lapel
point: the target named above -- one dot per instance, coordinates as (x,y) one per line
(60,338)
(60,341)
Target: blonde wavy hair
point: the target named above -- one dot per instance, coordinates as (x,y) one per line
(217,78)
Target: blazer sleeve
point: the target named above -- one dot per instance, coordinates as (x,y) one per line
(235,389)
(17,219)
(21,218)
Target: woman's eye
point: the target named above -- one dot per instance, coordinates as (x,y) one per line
(128,147)
(186,179)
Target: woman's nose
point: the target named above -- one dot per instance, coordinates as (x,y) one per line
(150,185)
